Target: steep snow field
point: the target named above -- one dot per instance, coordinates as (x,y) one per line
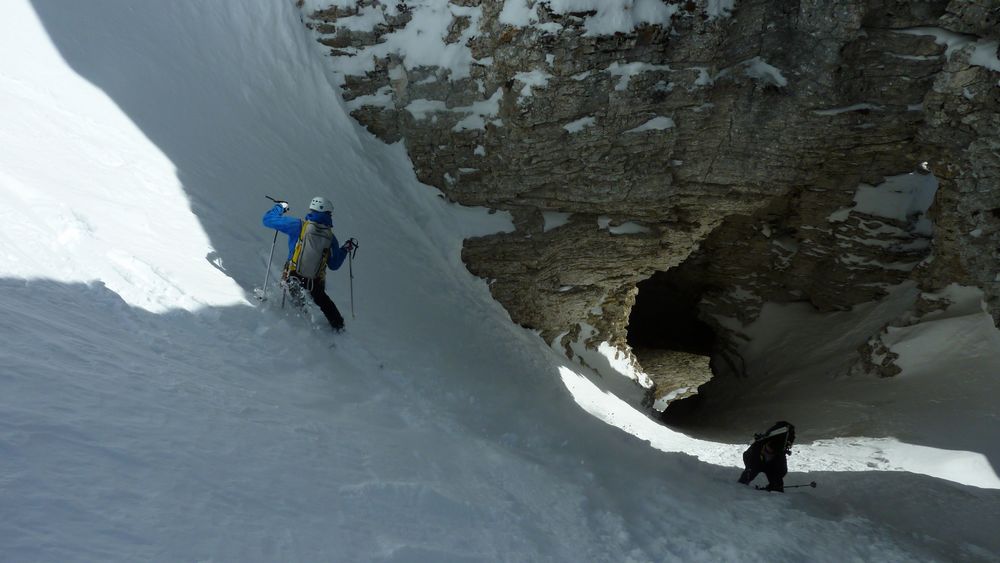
(150,412)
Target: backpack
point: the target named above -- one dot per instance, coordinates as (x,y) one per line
(781,436)
(311,251)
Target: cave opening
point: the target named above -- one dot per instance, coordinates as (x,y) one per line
(775,261)
(669,339)
(665,317)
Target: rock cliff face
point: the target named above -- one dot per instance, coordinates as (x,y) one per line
(726,153)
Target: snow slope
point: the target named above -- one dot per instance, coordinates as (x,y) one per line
(149,412)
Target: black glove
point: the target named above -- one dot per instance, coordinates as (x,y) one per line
(350,245)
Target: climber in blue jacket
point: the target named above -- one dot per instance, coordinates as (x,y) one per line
(312,248)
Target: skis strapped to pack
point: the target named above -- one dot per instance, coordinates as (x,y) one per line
(783,431)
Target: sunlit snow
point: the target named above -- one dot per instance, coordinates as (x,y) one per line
(150,410)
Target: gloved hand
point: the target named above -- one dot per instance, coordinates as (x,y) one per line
(350,245)
(283,204)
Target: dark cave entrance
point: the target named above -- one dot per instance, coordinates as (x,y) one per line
(669,339)
(665,317)
(674,346)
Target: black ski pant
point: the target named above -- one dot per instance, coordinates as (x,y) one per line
(775,468)
(317,290)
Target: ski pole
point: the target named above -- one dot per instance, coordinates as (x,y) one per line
(270,257)
(267,273)
(811,484)
(350,268)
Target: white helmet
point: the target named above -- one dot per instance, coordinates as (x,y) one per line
(321,204)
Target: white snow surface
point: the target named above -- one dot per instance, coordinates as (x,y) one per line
(759,69)
(983,51)
(150,412)
(943,399)
(847,109)
(625,72)
(578,125)
(905,198)
(985,55)
(605,17)
(625,228)
(655,124)
(899,197)
(719,8)
(532,79)
(518,13)
(475,115)
(422,42)
(554,220)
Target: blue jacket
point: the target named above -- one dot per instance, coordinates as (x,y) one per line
(292,226)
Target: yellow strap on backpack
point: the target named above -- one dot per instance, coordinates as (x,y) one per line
(293,263)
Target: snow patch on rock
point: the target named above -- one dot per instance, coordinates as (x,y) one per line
(580,124)
(655,124)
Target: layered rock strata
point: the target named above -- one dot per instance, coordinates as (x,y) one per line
(739,143)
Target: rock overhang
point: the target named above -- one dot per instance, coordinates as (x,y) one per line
(720,141)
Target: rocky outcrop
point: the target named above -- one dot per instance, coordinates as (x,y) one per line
(746,146)
(675,375)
